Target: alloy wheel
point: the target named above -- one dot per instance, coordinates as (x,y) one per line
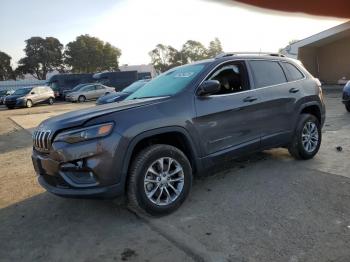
(164,181)
(310,137)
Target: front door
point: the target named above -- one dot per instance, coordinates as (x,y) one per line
(228,122)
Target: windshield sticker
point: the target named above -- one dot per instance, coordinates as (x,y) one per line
(184,74)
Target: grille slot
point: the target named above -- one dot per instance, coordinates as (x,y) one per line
(41,140)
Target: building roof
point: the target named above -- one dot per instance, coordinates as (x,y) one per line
(319,39)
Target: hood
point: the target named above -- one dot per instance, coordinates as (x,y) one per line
(14,97)
(79,117)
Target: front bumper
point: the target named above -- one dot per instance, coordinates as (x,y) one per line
(81,170)
(70,99)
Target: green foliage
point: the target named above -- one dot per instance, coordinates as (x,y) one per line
(6,71)
(215,48)
(164,57)
(42,56)
(89,54)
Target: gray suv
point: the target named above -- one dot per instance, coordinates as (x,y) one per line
(181,123)
(29,96)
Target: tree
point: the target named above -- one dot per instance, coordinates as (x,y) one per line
(194,51)
(165,57)
(215,48)
(6,71)
(89,54)
(42,56)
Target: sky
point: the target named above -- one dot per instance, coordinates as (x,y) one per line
(137,26)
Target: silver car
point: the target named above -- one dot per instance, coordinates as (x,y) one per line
(89,92)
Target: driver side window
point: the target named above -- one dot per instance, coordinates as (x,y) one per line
(232,78)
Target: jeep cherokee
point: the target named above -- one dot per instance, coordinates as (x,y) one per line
(186,120)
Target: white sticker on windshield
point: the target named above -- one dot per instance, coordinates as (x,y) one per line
(184,74)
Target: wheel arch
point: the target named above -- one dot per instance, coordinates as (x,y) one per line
(175,136)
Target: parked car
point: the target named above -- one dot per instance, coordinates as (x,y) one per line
(183,122)
(346,96)
(61,82)
(74,89)
(29,96)
(89,92)
(119,96)
(5,93)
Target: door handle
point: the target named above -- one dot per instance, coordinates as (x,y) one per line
(249,99)
(293,90)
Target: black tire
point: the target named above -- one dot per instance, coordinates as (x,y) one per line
(296,148)
(136,189)
(51,101)
(347,106)
(10,107)
(81,99)
(29,103)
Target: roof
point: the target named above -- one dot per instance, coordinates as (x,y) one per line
(320,39)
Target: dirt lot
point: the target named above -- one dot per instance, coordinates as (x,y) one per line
(268,207)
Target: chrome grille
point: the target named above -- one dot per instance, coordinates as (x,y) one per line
(41,139)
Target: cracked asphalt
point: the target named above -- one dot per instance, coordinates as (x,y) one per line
(266,207)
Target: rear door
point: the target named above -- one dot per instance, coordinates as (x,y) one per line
(228,122)
(277,106)
(89,92)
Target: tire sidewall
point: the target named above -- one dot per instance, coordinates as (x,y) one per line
(347,106)
(303,120)
(141,197)
(51,101)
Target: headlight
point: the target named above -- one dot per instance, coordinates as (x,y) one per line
(83,134)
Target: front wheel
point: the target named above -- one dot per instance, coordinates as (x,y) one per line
(81,99)
(29,103)
(347,106)
(307,138)
(160,180)
(50,101)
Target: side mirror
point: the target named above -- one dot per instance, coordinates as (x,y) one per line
(209,87)
(32,93)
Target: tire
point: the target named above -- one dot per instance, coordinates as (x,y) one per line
(347,106)
(107,93)
(10,107)
(50,101)
(81,99)
(29,103)
(137,187)
(308,148)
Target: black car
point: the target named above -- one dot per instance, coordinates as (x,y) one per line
(5,93)
(346,96)
(183,122)
(119,96)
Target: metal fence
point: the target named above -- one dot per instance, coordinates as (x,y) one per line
(5,85)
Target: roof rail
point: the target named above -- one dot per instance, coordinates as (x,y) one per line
(248,53)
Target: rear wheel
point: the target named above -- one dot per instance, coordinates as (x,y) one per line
(29,103)
(50,101)
(160,180)
(81,99)
(347,106)
(307,138)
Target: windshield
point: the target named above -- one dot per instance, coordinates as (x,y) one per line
(168,83)
(78,87)
(3,92)
(134,86)
(22,91)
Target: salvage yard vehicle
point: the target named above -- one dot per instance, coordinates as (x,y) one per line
(346,96)
(89,92)
(29,96)
(183,122)
(119,96)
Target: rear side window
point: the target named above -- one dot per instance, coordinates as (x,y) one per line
(293,72)
(267,73)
